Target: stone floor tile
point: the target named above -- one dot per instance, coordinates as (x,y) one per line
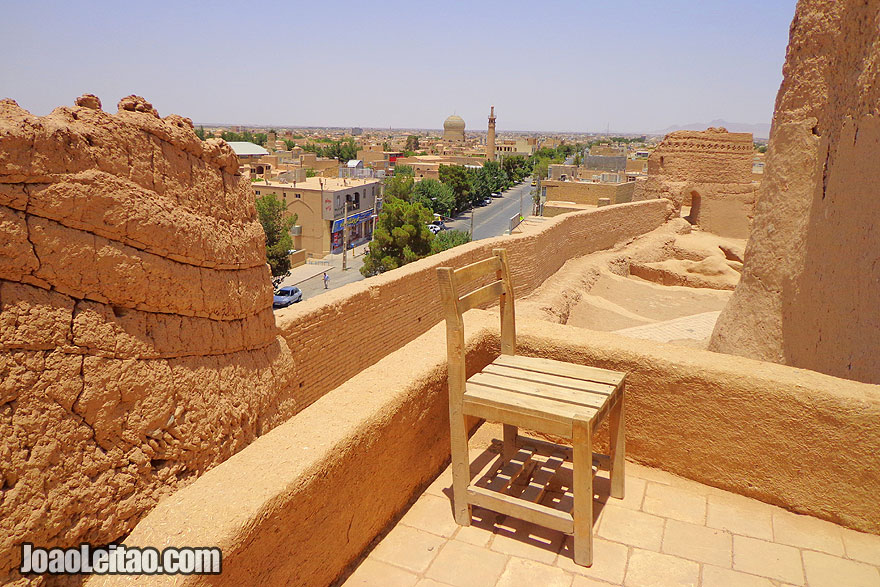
(631,527)
(653,569)
(673,502)
(634,492)
(717,577)
(807,532)
(431,583)
(776,561)
(409,548)
(580,581)
(482,527)
(739,518)
(442,485)
(432,514)
(698,543)
(609,561)
(526,540)
(862,547)
(465,565)
(373,573)
(824,570)
(522,573)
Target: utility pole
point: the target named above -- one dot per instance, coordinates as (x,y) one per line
(344,236)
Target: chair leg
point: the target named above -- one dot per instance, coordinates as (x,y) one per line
(461,475)
(509,441)
(617,432)
(582,512)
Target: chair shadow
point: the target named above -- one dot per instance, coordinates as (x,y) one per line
(559,497)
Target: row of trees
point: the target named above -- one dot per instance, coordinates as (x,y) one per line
(458,187)
(343,149)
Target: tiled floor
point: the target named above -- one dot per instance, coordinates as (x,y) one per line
(667,531)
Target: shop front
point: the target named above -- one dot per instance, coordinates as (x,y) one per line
(358,230)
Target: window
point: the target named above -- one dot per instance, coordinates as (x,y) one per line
(298,196)
(257,192)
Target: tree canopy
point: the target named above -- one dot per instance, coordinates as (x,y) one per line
(401,236)
(276,224)
(435,196)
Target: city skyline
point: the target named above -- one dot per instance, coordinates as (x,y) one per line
(631,67)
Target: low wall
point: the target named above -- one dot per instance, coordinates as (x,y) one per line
(582,192)
(341,332)
(301,503)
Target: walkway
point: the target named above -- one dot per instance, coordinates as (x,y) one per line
(668,531)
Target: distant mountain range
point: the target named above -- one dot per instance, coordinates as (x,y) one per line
(761,131)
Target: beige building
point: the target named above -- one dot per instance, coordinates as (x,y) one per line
(320,204)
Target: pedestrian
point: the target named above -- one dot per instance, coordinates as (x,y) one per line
(326,280)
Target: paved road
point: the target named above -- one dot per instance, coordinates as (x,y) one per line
(494,219)
(489,221)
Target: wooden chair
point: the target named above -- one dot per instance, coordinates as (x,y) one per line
(543,395)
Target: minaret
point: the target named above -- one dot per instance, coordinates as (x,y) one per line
(490,139)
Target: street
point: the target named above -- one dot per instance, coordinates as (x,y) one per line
(489,221)
(494,219)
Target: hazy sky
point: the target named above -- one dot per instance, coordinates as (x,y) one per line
(575,65)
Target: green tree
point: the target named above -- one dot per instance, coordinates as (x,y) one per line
(399,186)
(412,143)
(479,185)
(515,167)
(437,196)
(276,224)
(448,239)
(496,177)
(456,177)
(404,170)
(401,237)
(311,172)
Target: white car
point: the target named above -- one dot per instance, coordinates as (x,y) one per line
(434,228)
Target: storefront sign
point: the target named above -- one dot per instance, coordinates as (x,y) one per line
(352,220)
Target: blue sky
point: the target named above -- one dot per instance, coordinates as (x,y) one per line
(631,65)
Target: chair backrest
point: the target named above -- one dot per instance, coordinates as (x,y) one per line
(453,284)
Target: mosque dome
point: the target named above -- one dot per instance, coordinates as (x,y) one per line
(454,122)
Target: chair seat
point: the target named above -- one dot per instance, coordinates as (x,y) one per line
(541,394)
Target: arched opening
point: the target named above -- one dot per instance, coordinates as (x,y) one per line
(694,215)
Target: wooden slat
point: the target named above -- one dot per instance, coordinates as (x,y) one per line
(526,404)
(521,410)
(542,447)
(547,379)
(540,478)
(513,469)
(476,270)
(613,378)
(562,394)
(535,513)
(513,416)
(582,487)
(478,297)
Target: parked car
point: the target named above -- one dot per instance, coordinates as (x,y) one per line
(496,194)
(287,296)
(438,221)
(486,202)
(434,228)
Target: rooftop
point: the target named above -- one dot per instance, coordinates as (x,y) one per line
(667,531)
(321,183)
(246,148)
